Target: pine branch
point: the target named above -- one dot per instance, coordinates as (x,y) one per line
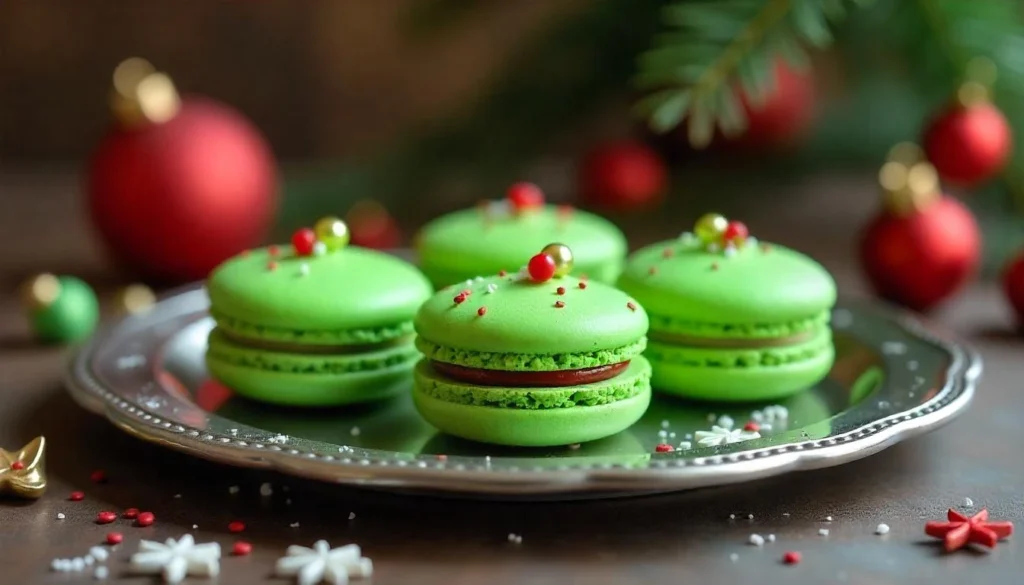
(717,46)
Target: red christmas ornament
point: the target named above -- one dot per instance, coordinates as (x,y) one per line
(923,246)
(1013,285)
(968,142)
(783,116)
(303,240)
(622,176)
(525,196)
(176,187)
(371,226)
(541,268)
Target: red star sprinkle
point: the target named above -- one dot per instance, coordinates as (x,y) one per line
(481,311)
(114,538)
(583,285)
(130,513)
(145,519)
(663,448)
(960,530)
(76,496)
(17,466)
(559,304)
(241,548)
(752,426)
(792,557)
(105,517)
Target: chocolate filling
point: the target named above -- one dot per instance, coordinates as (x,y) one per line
(530,379)
(729,342)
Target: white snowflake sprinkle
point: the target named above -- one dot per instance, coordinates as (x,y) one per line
(101,573)
(721,436)
(278,439)
(882,529)
(685,445)
(61,516)
(491,288)
(968,503)
(175,559)
(322,563)
(756,540)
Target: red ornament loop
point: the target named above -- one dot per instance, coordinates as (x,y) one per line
(541,268)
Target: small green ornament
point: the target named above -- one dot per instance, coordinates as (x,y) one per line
(61,309)
(710,227)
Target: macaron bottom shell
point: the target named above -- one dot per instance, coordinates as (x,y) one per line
(535,427)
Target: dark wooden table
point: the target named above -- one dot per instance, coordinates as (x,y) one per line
(682,538)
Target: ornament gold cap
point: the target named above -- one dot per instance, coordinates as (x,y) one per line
(908,185)
(40,291)
(142,95)
(135,298)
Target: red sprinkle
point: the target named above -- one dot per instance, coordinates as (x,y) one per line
(525,196)
(735,232)
(791,557)
(304,240)
(583,284)
(631,305)
(559,304)
(98,476)
(667,253)
(541,267)
(105,517)
(271,265)
(130,513)
(145,519)
(273,250)
(236,526)
(481,311)
(17,466)
(459,299)
(560,290)
(76,496)
(241,548)
(752,426)
(114,538)
(663,448)
(502,273)
(652,270)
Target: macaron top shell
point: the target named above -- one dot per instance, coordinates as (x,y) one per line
(291,297)
(472,242)
(524,317)
(754,284)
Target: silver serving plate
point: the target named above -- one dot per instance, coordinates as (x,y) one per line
(893,379)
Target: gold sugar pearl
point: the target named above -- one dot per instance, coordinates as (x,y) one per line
(562,256)
(333,232)
(710,227)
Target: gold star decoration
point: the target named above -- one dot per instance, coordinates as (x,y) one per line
(22,472)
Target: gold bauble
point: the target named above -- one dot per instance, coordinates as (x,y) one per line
(562,256)
(332,232)
(135,298)
(710,227)
(40,291)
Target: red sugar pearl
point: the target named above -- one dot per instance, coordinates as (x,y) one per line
(502,273)
(76,496)
(525,196)
(459,299)
(752,426)
(17,466)
(114,538)
(303,240)
(241,548)
(481,311)
(631,305)
(560,290)
(98,476)
(663,448)
(105,517)
(583,284)
(236,526)
(735,232)
(271,265)
(145,519)
(273,250)
(130,513)
(559,304)
(791,557)
(541,267)
(667,253)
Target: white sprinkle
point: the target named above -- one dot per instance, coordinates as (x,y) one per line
(478,279)
(266,490)
(177,496)
(685,445)
(101,573)
(469,282)
(688,436)
(823,531)
(61,516)
(304,269)
(968,502)
(294,525)
(233,431)
(750,516)
(828,518)
(319,249)
(766,427)
(355,431)
(662,434)
(99,553)
(672,434)
(894,348)
(756,540)
(912,365)
(89,560)
(730,251)
(78,564)
(786,514)
(734,557)
(130,361)
(882,529)
(712,248)
(278,439)
(55,565)
(574,446)
(351,515)
(665,424)
(234,490)
(515,538)
(771,538)
(491,288)
(687,238)
(195,527)
(732,516)
(725,421)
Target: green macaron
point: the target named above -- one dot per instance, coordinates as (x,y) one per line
(732,319)
(329,328)
(530,360)
(499,235)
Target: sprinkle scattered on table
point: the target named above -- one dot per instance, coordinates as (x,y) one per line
(322,563)
(882,529)
(175,559)
(959,530)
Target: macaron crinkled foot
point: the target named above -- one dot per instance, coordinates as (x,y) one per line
(732,318)
(314,323)
(548,363)
(503,234)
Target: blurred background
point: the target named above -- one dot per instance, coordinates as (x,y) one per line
(425,106)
